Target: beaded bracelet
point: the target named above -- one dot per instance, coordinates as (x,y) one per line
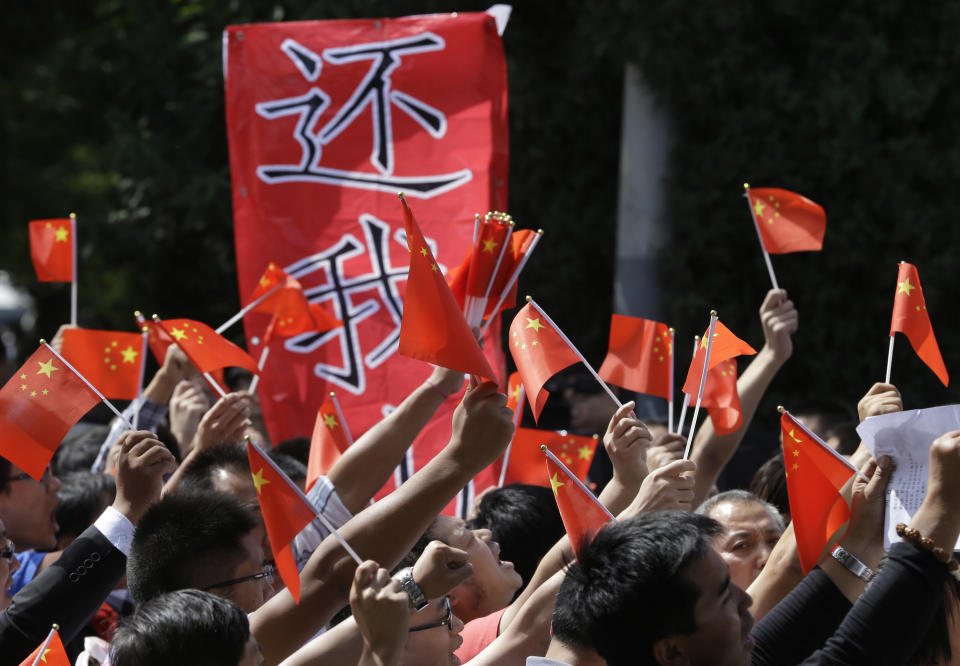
(913,536)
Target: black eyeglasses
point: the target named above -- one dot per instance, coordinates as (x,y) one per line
(445,622)
(268,572)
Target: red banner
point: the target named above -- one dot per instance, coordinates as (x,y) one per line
(327,121)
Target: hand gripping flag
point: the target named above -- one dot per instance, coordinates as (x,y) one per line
(582,513)
(207,349)
(526,457)
(433,328)
(721,398)
(330,439)
(639,356)
(911,318)
(48,653)
(539,353)
(787,221)
(40,403)
(110,360)
(815,474)
(51,249)
(726,345)
(285,513)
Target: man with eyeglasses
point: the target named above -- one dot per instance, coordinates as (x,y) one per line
(27,507)
(8,566)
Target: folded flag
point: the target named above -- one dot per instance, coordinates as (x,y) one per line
(330,439)
(51,249)
(911,318)
(639,356)
(787,221)
(38,405)
(583,515)
(815,475)
(110,360)
(207,349)
(285,513)
(725,345)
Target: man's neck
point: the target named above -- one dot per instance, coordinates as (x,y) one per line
(573,656)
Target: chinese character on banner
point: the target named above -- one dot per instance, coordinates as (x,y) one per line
(327,121)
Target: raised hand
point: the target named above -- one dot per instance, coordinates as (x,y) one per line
(880,399)
(225,422)
(141,466)
(440,569)
(187,406)
(381,609)
(626,441)
(780,320)
(668,488)
(482,425)
(665,449)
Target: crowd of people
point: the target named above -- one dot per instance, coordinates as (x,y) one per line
(149,547)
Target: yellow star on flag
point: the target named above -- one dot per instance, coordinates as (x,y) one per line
(330,421)
(794,437)
(489,245)
(61,235)
(178,334)
(555,483)
(796,452)
(905,287)
(424,251)
(258,480)
(584,452)
(43,657)
(129,354)
(534,324)
(47,368)
(758,207)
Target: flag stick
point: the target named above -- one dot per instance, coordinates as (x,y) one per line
(703,383)
(343,421)
(89,385)
(819,441)
(493,276)
(256,378)
(543,447)
(670,390)
(686,396)
(323,519)
(54,629)
(73,283)
(517,412)
(513,278)
(889,360)
(575,351)
(235,318)
(756,225)
(143,368)
(215,384)
(476,227)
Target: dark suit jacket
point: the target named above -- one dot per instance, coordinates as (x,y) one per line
(67,593)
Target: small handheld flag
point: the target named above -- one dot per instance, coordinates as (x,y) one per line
(583,515)
(911,318)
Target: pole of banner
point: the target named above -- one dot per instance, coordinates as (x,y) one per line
(703,383)
(756,225)
(513,278)
(143,367)
(576,351)
(890,358)
(517,412)
(42,651)
(670,384)
(781,410)
(237,317)
(580,484)
(686,396)
(343,421)
(89,385)
(73,283)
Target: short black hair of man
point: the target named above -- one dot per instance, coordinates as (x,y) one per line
(199,475)
(187,539)
(79,448)
(5,471)
(295,470)
(524,520)
(628,588)
(183,627)
(81,499)
(298,447)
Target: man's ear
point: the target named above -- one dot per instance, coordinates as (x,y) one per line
(669,651)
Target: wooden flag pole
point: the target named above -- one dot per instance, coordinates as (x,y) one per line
(756,225)
(89,385)
(143,367)
(517,412)
(703,383)
(235,318)
(513,278)
(686,396)
(833,452)
(73,283)
(670,390)
(559,463)
(576,351)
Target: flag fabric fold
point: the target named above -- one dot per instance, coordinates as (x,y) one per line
(53,653)
(911,318)
(330,439)
(787,221)
(582,513)
(721,398)
(38,405)
(110,360)
(207,349)
(433,328)
(539,352)
(639,356)
(293,313)
(51,249)
(815,475)
(285,513)
(725,345)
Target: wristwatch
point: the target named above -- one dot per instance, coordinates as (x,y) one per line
(405,578)
(852,563)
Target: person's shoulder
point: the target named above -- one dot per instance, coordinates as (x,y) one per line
(543,661)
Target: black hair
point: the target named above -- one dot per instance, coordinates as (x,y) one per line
(524,520)
(298,447)
(828,411)
(628,588)
(769,483)
(5,469)
(79,448)
(186,626)
(935,647)
(847,435)
(292,467)
(83,495)
(200,474)
(187,539)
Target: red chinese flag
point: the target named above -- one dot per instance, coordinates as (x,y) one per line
(157,339)
(521,241)
(639,356)
(285,513)
(725,345)
(207,349)
(539,353)
(526,458)
(582,513)
(330,439)
(720,396)
(51,249)
(313,319)
(53,653)
(39,404)
(788,222)
(911,318)
(433,327)
(514,390)
(815,474)
(489,245)
(110,360)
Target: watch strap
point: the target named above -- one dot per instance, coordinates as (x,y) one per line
(852,563)
(417,598)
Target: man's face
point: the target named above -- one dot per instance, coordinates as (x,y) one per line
(27,508)
(433,645)
(749,534)
(8,566)
(248,594)
(723,622)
